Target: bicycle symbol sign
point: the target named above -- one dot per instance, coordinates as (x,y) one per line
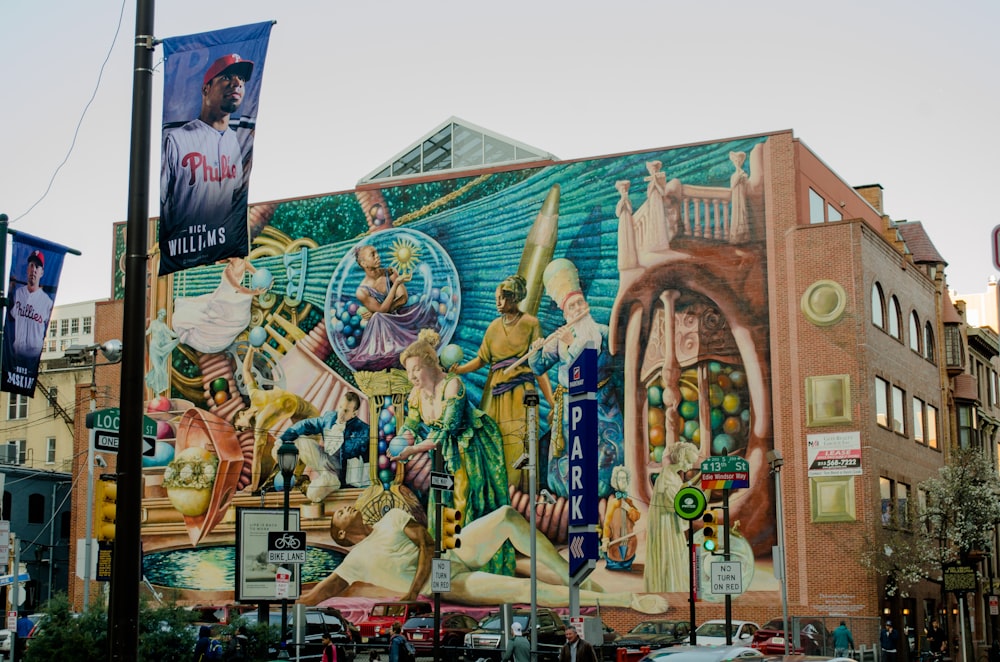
(286,546)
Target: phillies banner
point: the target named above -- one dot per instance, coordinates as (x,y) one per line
(211,88)
(34,278)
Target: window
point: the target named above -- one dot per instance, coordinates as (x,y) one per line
(882,402)
(52,330)
(898,422)
(885,494)
(903,505)
(87,325)
(64,327)
(833,214)
(929,342)
(74,325)
(17,407)
(15,452)
(967,433)
(50,450)
(895,321)
(954,355)
(918,421)
(878,307)
(914,332)
(53,395)
(922,508)
(36,509)
(816,206)
(932,436)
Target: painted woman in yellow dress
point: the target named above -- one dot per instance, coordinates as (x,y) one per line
(507,339)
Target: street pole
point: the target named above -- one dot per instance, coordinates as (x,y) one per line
(88,558)
(126,571)
(775,461)
(531,404)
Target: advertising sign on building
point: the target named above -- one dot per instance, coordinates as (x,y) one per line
(834,454)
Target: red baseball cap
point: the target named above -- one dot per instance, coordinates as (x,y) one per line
(225,62)
(37,257)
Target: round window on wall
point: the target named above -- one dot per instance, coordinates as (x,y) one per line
(823,302)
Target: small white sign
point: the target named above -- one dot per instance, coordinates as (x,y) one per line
(727,578)
(282,577)
(440,575)
(11,620)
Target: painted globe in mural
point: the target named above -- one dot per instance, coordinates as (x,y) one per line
(364,340)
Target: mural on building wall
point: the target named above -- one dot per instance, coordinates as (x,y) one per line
(376,328)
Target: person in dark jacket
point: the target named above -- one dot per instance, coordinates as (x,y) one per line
(889,642)
(576,649)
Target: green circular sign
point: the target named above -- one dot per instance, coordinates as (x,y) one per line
(690,503)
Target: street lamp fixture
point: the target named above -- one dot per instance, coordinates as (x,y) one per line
(288,458)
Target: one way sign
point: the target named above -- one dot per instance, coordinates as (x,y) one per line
(583,548)
(442,481)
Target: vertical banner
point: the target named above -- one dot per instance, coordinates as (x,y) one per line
(31,290)
(211,90)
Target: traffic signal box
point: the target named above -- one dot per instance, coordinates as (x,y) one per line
(451,526)
(712,530)
(106,508)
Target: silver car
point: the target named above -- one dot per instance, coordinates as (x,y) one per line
(688,653)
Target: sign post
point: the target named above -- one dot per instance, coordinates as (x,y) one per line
(105,422)
(583,504)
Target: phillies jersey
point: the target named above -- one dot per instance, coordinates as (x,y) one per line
(203,198)
(30,312)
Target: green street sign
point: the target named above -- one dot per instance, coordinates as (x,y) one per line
(689,503)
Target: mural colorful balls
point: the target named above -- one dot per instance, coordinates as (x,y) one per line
(397,445)
(655,416)
(164,430)
(279,482)
(383,445)
(723,444)
(219,384)
(655,396)
(731,403)
(450,355)
(433,299)
(714,367)
(383,462)
(385,477)
(261,279)
(688,410)
(716,417)
(724,382)
(657,435)
(732,425)
(657,454)
(738,378)
(691,428)
(163,453)
(159,403)
(221,397)
(715,395)
(258,336)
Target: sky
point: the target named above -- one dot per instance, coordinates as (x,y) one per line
(903,94)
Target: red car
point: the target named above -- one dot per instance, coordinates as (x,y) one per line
(770,639)
(376,628)
(454,626)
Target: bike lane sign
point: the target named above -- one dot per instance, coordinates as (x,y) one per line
(286,546)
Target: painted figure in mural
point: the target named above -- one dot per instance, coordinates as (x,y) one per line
(739,225)
(390,324)
(211,322)
(560,350)
(666,568)
(507,339)
(30,309)
(441,419)
(395,553)
(162,341)
(618,541)
(345,436)
(268,409)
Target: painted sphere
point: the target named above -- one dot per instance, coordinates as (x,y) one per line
(738,378)
(657,454)
(657,435)
(731,403)
(384,416)
(221,397)
(690,429)
(397,445)
(262,278)
(688,410)
(732,425)
(716,417)
(279,482)
(352,308)
(382,446)
(385,476)
(164,430)
(689,392)
(724,381)
(159,403)
(723,444)
(714,367)
(258,336)
(655,396)
(383,462)
(655,416)
(450,355)
(351,342)
(715,395)
(219,384)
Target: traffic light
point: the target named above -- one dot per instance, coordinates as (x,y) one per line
(451,526)
(106,507)
(711,529)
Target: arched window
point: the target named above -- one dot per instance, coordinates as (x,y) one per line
(36,509)
(895,320)
(914,332)
(929,343)
(878,307)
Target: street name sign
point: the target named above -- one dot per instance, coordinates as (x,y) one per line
(725,472)
(105,424)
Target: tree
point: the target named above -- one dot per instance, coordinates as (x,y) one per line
(956,525)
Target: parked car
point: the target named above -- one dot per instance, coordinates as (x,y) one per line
(344,634)
(5,642)
(377,626)
(688,653)
(713,633)
(770,639)
(484,641)
(454,626)
(655,634)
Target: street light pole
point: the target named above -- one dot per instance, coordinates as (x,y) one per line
(288,457)
(775,461)
(531,404)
